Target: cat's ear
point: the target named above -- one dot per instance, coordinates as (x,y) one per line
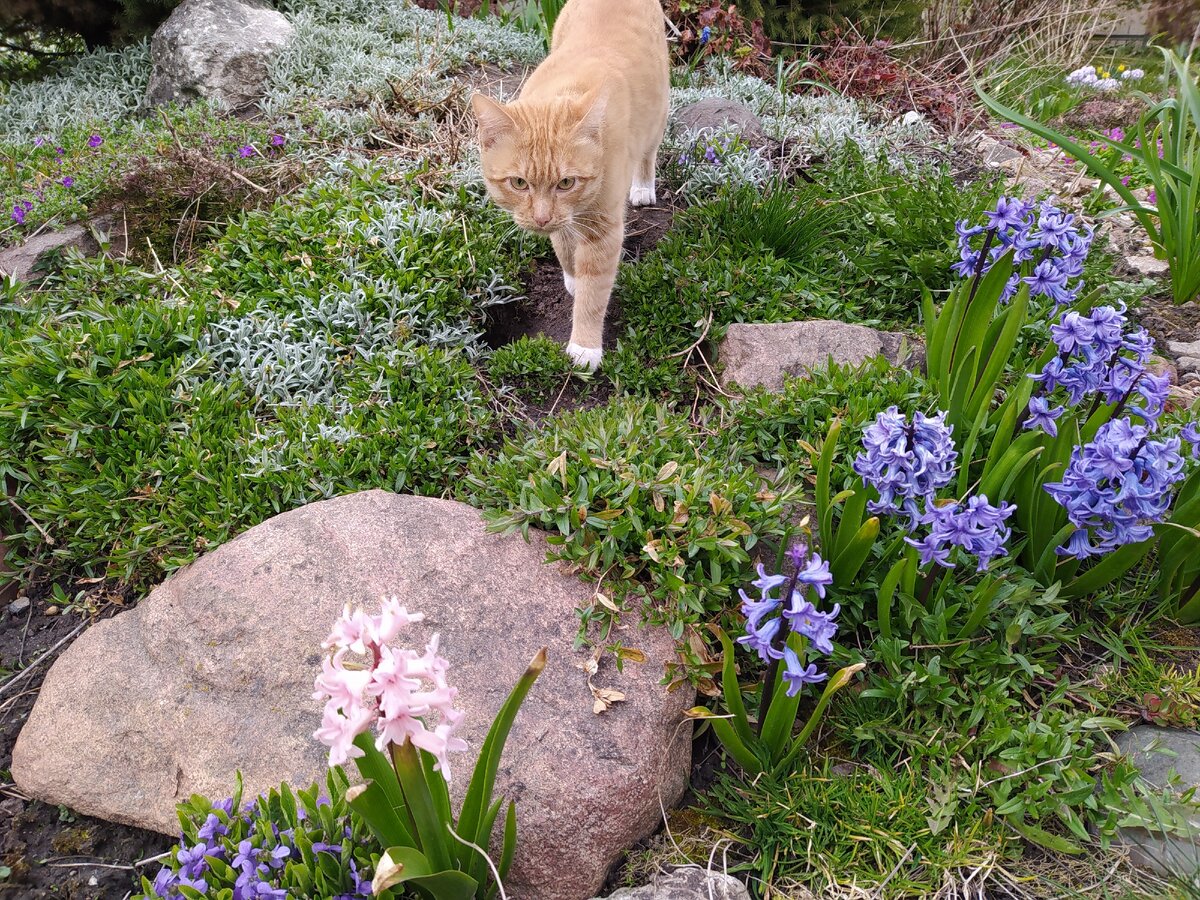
(494,120)
(591,123)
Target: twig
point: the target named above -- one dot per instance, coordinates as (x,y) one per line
(84,865)
(45,535)
(486,858)
(33,665)
(697,342)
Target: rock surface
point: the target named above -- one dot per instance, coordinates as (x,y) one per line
(686,883)
(215,50)
(762,355)
(19,261)
(715,113)
(213,672)
(1177,852)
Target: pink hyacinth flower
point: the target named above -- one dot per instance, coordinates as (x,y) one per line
(337,732)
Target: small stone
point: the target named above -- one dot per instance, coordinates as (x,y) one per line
(994,153)
(12,807)
(93,881)
(21,260)
(911,118)
(763,355)
(1188,364)
(52,610)
(715,113)
(215,50)
(686,883)
(1158,753)
(1147,266)
(1184,348)
(19,606)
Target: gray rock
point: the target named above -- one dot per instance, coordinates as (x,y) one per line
(996,154)
(19,606)
(686,883)
(213,673)
(1147,266)
(1188,365)
(762,355)
(215,50)
(1184,348)
(20,261)
(1160,754)
(714,113)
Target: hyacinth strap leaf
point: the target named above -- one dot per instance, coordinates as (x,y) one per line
(846,565)
(822,490)
(732,689)
(887,592)
(779,718)
(734,745)
(835,684)
(430,828)
(510,844)
(483,779)
(408,867)
(1111,567)
(382,804)
(852,514)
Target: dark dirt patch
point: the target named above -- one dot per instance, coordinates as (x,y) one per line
(53,852)
(546,308)
(1167,322)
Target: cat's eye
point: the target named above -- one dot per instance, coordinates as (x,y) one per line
(566,184)
(519,183)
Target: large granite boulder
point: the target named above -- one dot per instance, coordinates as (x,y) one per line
(20,261)
(215,50)
(716,114)
(213,673)
(763,355)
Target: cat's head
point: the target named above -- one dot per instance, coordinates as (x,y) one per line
(543,161)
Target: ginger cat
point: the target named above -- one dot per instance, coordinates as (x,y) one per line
(581,137)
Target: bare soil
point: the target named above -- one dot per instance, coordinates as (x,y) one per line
(51,851)
(546,308)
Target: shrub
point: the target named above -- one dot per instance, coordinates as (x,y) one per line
(804,21)
(631,491)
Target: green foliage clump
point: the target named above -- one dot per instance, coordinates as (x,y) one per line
(532,366)
(805,21)
(858,246)
(772,428)
(633,491)
(147,416)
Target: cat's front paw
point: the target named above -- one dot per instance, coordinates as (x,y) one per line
(569,283)
(585,357)
(642,194)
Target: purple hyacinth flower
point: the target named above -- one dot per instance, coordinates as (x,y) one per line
(1042,415)
(796,674)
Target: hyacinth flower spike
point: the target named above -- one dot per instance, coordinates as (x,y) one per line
(782,626)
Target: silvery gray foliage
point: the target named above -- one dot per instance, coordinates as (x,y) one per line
(682,149)
(345,48)
(102,86)
(816,122)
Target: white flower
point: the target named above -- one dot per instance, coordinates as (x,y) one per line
(1107,85)
(1133,75)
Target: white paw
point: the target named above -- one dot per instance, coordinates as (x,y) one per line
(642,194)
(569,283)
(585,357)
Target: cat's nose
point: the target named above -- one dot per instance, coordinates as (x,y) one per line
(541,220)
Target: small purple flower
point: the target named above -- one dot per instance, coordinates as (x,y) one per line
(1009,213)
(796,674)
(246,151)
(1191,434)
(67,182)
(165,882)
(710,154)
(705,35)
(192,862)
(277,140)
(1041,415)
(94,141)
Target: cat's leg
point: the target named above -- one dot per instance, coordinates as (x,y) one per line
(564,249)
(642,191)
(596,261)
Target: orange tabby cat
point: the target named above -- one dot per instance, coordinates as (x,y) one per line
(582,137)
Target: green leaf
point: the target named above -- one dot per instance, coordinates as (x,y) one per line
(731,688)
(430,828)
(887,590)
(836,683)
(846,566)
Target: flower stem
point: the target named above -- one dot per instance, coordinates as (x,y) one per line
(777,644)
(927,585)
